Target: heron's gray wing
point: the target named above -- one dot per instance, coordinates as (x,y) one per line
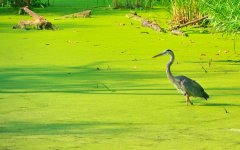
(191,87)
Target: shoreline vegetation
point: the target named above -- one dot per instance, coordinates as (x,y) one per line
(223,15)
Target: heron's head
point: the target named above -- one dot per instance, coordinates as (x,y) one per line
(168,51)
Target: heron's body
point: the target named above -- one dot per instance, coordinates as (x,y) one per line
(190,87)
(185,85)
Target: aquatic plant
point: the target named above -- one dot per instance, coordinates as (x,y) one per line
(184,10)
(224,14)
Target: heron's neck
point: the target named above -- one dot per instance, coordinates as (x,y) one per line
(168,70)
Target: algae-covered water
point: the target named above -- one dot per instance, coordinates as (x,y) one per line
(92,84)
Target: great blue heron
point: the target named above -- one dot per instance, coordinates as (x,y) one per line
(185,85)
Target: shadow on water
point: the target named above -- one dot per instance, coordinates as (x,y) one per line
(218,104)
(227,62)
(87,79)
(83,79)
(66,10)
(81,128)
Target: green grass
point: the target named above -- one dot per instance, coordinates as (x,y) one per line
(92,84)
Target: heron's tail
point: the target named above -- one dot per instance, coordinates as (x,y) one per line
(205,95)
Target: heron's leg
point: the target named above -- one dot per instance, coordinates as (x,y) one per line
(188,100)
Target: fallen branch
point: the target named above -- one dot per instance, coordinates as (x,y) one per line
(108,88)
(38,21)
(134,16)
(178,32)
(189,23)
(146,23)
(84,14)
(31,13)
(23,24)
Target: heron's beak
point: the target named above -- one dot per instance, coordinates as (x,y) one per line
(159,55)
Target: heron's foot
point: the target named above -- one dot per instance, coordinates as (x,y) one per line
(188,101)
(191,102)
